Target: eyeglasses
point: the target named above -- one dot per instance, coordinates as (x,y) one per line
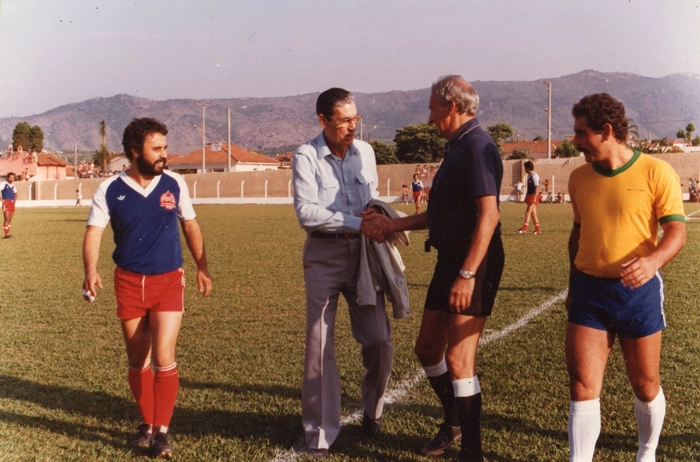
(345,122)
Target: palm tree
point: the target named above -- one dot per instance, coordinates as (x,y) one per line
(104,154)
(632,132)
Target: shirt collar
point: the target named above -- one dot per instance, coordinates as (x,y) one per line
(322,149)
(469,125)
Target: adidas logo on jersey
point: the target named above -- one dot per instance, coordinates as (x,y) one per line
(121,198)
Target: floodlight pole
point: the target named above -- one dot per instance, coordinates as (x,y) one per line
(204,105)
(549,119)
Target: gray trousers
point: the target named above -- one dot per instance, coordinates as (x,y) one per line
(330,268)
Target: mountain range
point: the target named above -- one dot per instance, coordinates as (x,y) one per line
(658,106)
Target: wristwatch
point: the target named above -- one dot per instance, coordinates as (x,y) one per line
(466,274)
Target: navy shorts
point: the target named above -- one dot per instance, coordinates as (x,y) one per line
(488,278)
(606,304)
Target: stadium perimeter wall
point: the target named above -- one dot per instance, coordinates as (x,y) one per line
(275,186)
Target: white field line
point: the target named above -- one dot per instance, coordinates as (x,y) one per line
(404,387)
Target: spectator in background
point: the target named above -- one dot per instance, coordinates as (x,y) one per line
(531,199)
(9,195)
(417,188)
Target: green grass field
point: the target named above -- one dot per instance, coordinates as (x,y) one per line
(63,388)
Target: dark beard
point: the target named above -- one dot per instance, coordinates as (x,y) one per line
(150,170)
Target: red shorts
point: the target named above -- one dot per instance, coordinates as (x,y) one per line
(532,199)
(8,205)
(137,294)
(416,195)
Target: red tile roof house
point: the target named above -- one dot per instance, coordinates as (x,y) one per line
(216,160)
(48,166)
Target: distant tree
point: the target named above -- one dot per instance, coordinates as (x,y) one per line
(36,140)
(22,136)
(632,132)
(500,132)
(566,149)
(419,144)
(689,129)
(385,153)
(538,138)
(696,141)
(103,132)
(681,134)
(102,156)
(520,153)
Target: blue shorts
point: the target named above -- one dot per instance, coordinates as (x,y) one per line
(606,304)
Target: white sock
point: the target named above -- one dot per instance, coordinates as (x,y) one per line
(466,387)
(584,428)
(436,369)
(650,419)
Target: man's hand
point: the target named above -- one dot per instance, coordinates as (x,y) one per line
(204,282)
(375,225)
(638,271)
(461,294)
(91,282)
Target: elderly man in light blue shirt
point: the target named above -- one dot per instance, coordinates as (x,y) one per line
(335,177)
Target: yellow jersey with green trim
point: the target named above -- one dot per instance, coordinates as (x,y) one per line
(619,211)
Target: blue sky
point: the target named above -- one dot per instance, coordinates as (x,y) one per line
(59,52)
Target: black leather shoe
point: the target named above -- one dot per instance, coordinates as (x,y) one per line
(371,427)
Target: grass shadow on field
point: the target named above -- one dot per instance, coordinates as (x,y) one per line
(114,438)
(268,423)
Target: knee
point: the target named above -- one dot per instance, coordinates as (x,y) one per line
(646,389)
(427,354)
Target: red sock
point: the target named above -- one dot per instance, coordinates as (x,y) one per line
(141,383)
(524,228)
(537,227)
(6,228)
(166,385)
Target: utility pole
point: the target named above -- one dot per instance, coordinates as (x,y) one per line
(228,129)
(549,119)
(204,105)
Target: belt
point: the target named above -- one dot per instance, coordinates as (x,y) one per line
(321,235)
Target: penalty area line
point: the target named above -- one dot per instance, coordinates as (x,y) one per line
(402,389)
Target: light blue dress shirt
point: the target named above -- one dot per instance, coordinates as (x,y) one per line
(329,192)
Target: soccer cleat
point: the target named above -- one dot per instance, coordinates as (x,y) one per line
(522,231)
(160,447)
(9,236)
(446,435)
(537,233)
(143,439)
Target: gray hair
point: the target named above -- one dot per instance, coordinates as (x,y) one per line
(453,88)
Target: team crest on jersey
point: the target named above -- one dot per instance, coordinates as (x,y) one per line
(167,201)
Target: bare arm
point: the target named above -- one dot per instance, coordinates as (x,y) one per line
(463,289)
(638,271)
(91,254)
(195,242)
(573,250)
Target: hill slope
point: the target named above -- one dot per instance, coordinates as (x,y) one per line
(658,105)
